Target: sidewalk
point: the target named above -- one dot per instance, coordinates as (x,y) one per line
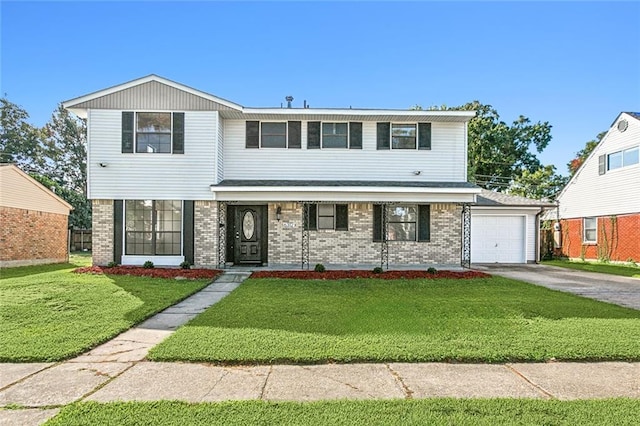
(117,371)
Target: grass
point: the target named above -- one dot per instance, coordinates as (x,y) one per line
(496,319)
(49,313)
(603,268)
(394,412)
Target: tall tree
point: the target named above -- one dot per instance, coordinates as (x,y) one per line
(65,150)
(498,152)
(542,183)
(80,216)
(20,142)
(582,155)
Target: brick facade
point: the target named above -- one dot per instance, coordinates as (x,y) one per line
(356,245)
(618,239)
(102,232)
(29,237)
(206,234)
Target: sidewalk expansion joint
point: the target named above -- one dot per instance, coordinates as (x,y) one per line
(22,379)
(535,385)
(105,383)
(266,380)
(405,388)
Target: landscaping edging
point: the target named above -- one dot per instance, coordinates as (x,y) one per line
(191,274)
(388,275)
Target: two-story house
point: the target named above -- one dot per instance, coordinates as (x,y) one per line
(177,174)
(599,209)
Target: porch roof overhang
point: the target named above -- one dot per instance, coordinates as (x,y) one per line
(344,191)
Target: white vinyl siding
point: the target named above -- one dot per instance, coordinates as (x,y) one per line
(160,177)
(220,152)
(445,162)
(590,194)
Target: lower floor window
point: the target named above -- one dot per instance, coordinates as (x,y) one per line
(590,226)
(402,223)
(405,222)
(153,227)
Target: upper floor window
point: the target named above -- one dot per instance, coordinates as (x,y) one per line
(269,134)
(153,132)
(627,157)
(335,135)
(403,136)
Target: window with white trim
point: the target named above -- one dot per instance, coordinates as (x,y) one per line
(153,132)
(403,136)
(153,227)
(273,135)
(335,135)
(328,216)
(590,230)
(624,158)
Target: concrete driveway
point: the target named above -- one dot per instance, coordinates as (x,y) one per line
(622,291)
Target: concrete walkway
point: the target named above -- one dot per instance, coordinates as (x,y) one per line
(117,371)
(623,291)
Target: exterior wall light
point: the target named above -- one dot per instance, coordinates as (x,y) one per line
(278,213)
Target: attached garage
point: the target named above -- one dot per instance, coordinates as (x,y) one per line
(504,228)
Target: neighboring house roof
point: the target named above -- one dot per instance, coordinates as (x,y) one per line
(155,92)
(21,191)
(591,192)
(500,199)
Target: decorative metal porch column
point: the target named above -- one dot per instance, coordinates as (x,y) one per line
(222,234)
(465,259)
(305,235)
(384,247)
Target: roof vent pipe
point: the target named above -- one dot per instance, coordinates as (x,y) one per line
(289,99)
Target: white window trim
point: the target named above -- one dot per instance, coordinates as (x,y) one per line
(621,151)
(417,221)
(322,123)
(391,148)
(318,215)
(584,231)
(160,259)
(135,130)
(286,134)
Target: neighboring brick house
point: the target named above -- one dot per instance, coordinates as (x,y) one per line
(177,174)
(599,209)
(34,221)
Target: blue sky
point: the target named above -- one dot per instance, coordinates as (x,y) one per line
(573,64)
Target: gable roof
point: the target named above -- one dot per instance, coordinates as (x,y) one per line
(21,191)
(500,199)
(158,93)
(150,92)
(575,176)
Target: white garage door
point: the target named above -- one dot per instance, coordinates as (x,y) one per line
(498,239)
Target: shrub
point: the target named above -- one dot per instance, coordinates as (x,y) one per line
(148,265)
(185,265)
(319,268)
(112,264)
(377,270)
(432,270)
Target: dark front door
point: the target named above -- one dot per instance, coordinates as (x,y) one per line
(248,234)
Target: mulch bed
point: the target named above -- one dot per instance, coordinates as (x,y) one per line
(191,274)
(388,275)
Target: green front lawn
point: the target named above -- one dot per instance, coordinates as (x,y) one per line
(395,412)
(48,313)
(603,268)
(366,320)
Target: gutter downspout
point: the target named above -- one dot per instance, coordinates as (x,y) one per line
(537,257)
